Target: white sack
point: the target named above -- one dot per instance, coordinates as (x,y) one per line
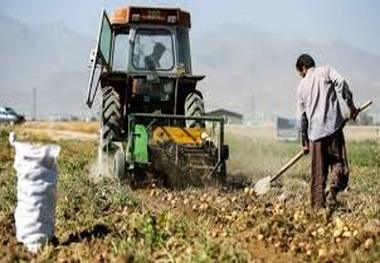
(36,193)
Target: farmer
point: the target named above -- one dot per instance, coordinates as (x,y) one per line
(152,62)
(324,103)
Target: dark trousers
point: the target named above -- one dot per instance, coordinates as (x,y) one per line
(328,153)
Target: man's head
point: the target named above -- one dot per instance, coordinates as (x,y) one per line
(304,62)
(158,49)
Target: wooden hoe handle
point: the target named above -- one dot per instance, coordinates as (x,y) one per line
(364,106)
(288,165)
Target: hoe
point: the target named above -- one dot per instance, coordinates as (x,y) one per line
(152,115)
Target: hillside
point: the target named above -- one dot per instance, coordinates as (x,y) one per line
(253,72)
(257,66)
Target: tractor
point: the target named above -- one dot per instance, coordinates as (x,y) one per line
(152,116)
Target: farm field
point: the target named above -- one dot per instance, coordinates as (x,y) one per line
(100,220)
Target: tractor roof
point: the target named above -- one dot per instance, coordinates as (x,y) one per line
(127,15)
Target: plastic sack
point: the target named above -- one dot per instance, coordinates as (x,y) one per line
(36,193)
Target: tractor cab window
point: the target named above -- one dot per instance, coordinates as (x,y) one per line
(120,55)
(184,48)
(153,50)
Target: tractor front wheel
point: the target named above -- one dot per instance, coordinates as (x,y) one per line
(119,165)
(194,107)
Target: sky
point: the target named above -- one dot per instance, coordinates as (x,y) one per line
(353,22)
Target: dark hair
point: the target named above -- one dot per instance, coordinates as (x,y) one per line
(305,60)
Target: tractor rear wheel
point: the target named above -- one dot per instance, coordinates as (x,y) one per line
(111,117)
(194,107)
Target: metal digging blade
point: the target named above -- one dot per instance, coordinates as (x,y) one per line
(263,185)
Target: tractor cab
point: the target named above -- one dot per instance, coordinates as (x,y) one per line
(158,40)
(144,54)
(142,65)
(148,46)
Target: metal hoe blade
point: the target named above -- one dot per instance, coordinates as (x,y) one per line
(263,185)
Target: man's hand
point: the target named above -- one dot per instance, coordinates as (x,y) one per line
(306,149)
(354,112)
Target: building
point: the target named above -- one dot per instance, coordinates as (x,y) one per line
(286,129)
(230,117)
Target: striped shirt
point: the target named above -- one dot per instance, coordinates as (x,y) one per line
(325,97)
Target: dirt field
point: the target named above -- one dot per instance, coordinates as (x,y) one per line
(58,130)
(101,220)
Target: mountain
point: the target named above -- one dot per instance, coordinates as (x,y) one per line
(51,58)
(253,72)
(247,70)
